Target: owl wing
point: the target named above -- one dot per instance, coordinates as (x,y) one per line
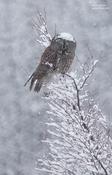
(47,65)
(49,57)
(65,62)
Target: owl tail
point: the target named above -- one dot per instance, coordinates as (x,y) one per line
(37,84)
(34,82)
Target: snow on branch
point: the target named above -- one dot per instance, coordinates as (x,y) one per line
(88,74)
(41,29)
(79,142)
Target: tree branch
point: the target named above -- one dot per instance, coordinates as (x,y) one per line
(88,75)
(41,29)
(102,166)
(77,91)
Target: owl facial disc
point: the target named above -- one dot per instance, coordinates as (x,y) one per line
(66,36)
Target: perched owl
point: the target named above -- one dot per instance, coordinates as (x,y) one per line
(57,58)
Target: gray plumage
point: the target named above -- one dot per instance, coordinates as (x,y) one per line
(57,58)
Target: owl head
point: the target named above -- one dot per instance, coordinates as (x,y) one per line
(63,41)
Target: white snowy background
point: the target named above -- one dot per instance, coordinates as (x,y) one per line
(22,113)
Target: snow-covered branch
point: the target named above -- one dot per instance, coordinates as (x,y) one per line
(41,29)
(88,74)
(79,143)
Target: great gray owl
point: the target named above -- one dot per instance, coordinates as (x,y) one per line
(57,58)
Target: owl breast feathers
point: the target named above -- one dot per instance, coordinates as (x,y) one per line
(57,58)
